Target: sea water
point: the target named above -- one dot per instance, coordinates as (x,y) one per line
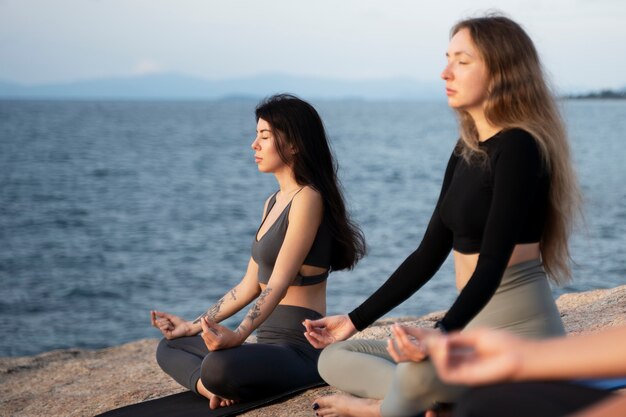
(111,209)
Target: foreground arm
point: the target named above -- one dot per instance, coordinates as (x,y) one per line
(487,356)
(305,216)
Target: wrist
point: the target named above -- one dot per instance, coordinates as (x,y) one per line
(350,327)
(441,327)
(242,333)
(192,329)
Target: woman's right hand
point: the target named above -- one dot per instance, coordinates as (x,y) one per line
(170,325)
(321,333)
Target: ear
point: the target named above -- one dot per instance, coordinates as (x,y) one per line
(293,150)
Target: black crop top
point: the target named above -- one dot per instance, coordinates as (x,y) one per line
(482,208)
(265,250)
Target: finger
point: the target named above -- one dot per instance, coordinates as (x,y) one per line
(161,320)
(318,334)
(307,325)
(393,351)
(311,340)
(418,338)
(419,332)
(165,327)
(208,330)
(317,323)
(315,340)
(401,339)
(205,329)
(164,314)
(213,327)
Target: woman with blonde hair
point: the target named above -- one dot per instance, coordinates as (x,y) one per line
(508,201)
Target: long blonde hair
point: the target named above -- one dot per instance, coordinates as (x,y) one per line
(519,97)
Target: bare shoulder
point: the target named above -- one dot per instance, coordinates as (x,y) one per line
(308,202)
(309,196)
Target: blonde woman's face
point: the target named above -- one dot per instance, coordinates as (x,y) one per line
(465,74)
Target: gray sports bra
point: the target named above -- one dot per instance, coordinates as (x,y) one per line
(265,250)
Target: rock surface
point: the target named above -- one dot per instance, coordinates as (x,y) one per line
(74,382)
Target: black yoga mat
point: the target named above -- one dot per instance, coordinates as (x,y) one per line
(188,404)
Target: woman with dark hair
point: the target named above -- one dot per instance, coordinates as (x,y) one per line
(508,200)
(305,233)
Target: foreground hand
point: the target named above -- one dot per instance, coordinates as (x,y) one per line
(409,344)
(171,326)
(476,357)
(218,337)
(321,333)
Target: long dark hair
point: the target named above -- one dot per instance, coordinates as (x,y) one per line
(297,125)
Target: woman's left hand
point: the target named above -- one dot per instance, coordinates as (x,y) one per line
(218,337)
(409,343)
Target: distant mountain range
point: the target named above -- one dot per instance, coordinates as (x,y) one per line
(602,95)
(177,86)
(172,86)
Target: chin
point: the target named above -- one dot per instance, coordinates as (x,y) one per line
(452,102)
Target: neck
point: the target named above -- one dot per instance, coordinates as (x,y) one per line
(484,128)
(286,181)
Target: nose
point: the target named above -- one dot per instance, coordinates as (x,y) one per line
(446,74)
(255,144)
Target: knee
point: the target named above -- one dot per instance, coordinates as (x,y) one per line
(215,373)
(415,380)
(161,353)
(329,360)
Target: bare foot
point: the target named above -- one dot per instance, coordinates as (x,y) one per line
(342,405)
(215,401)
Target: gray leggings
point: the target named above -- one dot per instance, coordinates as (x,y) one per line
(523,304)
(281,361)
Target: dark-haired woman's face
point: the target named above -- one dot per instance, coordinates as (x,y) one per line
(266,154)
(466,74)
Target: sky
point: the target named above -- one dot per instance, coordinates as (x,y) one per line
(582,42)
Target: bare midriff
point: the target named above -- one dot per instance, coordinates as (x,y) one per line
(308,296)
(465,264)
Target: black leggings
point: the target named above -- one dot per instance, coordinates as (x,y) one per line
(524,399)
(281,361)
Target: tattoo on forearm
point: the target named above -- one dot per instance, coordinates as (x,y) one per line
(255,311)
(241,329)
(233,293)
(212,312)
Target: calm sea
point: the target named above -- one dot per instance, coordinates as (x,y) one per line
(110,209)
